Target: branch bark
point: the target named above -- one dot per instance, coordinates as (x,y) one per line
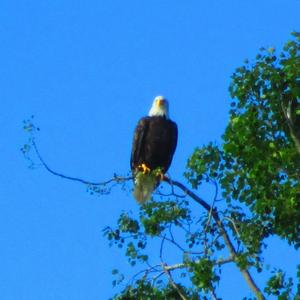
(172,282)
(288,112)
(183,265)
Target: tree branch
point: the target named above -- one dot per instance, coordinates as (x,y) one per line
(218,262)
(116,178)
(233,253)
(168,273)
(287,112)
(172,282)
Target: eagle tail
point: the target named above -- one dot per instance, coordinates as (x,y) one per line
(144,185)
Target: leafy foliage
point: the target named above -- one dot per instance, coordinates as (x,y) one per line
(145,290)
(258,163)
(281,287)
(203,274)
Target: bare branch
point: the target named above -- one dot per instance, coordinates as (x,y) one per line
(218,262)
(172,282)
(188,192)
(116,178)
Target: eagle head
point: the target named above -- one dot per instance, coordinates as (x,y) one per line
(160,107)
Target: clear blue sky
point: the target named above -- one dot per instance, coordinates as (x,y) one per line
(88,70)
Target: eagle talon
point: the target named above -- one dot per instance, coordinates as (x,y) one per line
(160,176)
(144,169)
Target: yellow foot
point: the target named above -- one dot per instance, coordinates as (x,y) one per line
(144,169)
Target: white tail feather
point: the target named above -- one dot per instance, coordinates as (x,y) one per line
(144,187)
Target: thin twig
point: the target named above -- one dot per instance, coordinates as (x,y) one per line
(167,272)
(234,226)
(117,179)
(172,193)
(181,248)
(213,294)
(210,213)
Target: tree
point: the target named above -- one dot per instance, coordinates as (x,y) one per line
(255,173)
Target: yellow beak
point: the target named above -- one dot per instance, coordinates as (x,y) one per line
(160,102)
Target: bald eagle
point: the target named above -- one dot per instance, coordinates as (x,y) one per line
(154,143)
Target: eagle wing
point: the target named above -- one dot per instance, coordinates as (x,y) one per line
(174,137)
(139,136)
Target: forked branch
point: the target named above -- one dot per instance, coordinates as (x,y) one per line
(233,253)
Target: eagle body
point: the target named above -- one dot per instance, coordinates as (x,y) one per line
(154,144)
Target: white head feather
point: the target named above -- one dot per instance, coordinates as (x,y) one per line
(160,107)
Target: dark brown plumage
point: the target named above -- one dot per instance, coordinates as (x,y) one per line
(154,143)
